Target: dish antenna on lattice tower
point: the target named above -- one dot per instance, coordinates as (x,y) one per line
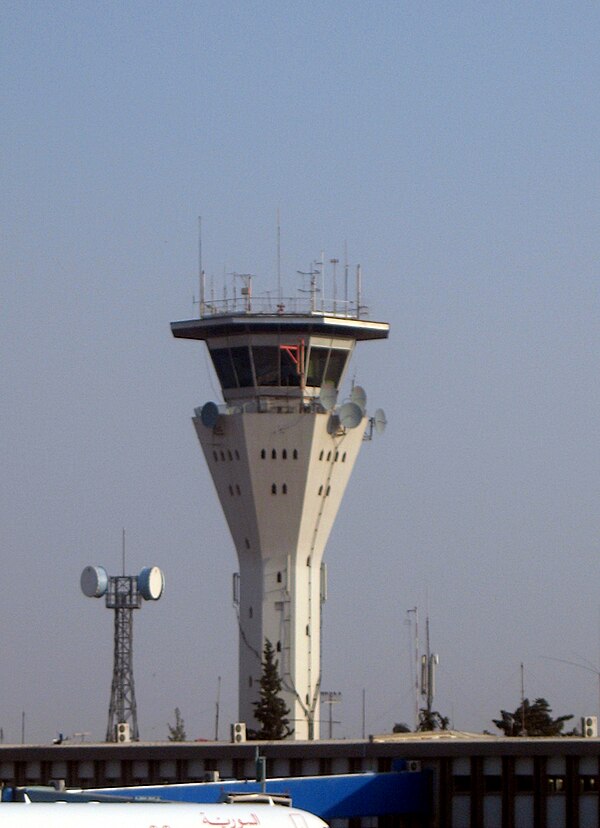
(124,593)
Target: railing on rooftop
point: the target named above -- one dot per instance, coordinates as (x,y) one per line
(289,306)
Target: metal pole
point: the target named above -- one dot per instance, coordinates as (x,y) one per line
(200,271)
(217,713)
(364,705)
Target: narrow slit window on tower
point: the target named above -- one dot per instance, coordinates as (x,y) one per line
(321,454)
(231,490)
(273,488)
(237,454)
(263,454)
(284,454)
(216,456)
(229,455)
(328,490)
(328,456)
(284,488)
(222,455)
(247,543)
(274,454)
(279,646)
(237,488)
(321,490)
(295,454)
(344,457)
(249,612)
(337,454)
(279,577)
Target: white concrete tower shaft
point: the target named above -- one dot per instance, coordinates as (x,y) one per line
(280,463)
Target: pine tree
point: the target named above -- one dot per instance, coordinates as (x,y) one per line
(177,731)
(271,711)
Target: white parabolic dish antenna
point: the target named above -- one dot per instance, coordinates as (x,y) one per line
(94,581)
(350,415)
(358,395)
(379,421)
(328,395)
(209,414)
(333,424)
(151,583)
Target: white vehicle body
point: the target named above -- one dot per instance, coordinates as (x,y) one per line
(159,815)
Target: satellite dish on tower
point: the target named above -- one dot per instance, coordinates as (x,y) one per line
(151,583)
(358,395)
(379,421)
(333,424)
(94,581)
(328,395)
(209,414)
(350,415)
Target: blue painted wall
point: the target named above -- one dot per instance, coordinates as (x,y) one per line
(354,795)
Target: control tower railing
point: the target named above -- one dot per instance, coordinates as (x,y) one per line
(270,305)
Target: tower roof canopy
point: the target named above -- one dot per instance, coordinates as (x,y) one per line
(311,323)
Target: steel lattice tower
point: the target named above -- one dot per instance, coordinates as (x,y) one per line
(124,594)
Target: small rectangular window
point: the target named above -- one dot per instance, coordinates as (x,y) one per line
(492,784)
(588,784)
(461,783)
(524,783)
(555,784)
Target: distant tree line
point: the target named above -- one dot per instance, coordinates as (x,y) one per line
(529,719)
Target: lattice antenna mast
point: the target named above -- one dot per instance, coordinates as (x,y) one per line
(124,594)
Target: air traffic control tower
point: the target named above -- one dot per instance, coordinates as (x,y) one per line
(280,451)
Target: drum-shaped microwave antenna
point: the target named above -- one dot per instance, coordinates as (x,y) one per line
(209,414)
(350,415)
(379,421)
(333,423)
(151,583)
(328,395)
(94,581)
(358,395)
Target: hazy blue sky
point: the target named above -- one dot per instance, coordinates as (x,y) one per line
(455,147)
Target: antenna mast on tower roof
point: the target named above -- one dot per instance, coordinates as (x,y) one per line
(200,270)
